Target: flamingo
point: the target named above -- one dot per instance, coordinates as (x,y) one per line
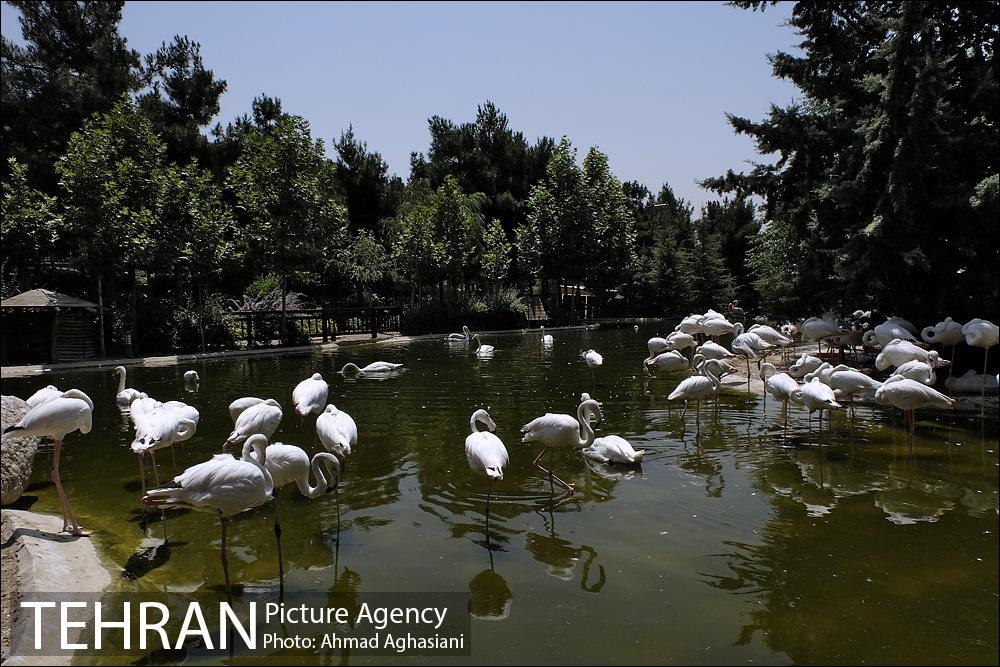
(779,385)
(946,332)
(310,395)
(804,365)
(984,334)
(56,418)
(690,325)
(191,377)
(237,407)
(846,382)
(287,464)
(815,396)
(968,383)
(43,395)
(898,352)
(561,430)
(668,361)
(465,335)
(697,387)
(593,359)
(124,397)
(908,395)
(486,454)
(483,350)
(817,329)
(748,345)
(262,418)
(374,368)
(717,326)
(679,340)
(906,324)
(886,332)
(337,432)
(770,335)
(224,485)
(917,370)
(711,350)
(656,345)
(613,449)
(159,429)
(547,339)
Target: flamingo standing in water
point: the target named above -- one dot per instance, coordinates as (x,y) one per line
(697,387)
(309,396)
(908,395)
(43,395)
(237,407)
(224,485)
(486,455)
(560,430)
(262,418)
(337,432)
(779,385)
(815,396)
(124,397)
(984,334)
(56,418)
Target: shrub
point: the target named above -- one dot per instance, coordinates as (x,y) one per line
(501,309)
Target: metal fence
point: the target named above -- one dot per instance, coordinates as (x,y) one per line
(263,328)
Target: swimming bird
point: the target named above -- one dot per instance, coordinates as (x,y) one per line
(237,407)
(337,432)
(613,449)
(594,359)
(547,339)
(262,418)
(908,395)
(43,395)
(561,430)
(374,368)
(56,418)
(697,387)
(486,454)
(124,397)
(482,350)
(223,485)
(191,377)
(465,335)
(667,361)
(310,395)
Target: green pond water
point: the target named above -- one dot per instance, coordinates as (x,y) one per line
(737,543)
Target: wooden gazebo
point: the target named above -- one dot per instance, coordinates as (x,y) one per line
(43,326)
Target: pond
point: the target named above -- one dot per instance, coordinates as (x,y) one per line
(737,542)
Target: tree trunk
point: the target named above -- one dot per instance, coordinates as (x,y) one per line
(100,316)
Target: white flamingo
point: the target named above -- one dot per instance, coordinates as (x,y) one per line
(547,339)
(666,362)
(946,333)
(898,352)
(464,336)
(310,395)
(816,329)
(908,395)
(237,407)
(690,325)
(815,396)
(374,368)
(697,387)
(656,345)
(779,385)
(124,397)
(43,395)
(486,454)
(262,418)
(614,449)
(984,334)
(159,429)
(679,340)
(191,377)
(886,332)
(712,350)
(337,432)
(917,370)
(717,326)
(56,418)
(749,345)
(845,381)
(223,485)
(804,365)
(561,430)
(593,359)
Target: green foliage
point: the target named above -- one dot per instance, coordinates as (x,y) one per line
(370,193)
(499,309)
(496,254)
(28,222)
(878,167)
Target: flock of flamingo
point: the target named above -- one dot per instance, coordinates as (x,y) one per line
(227,485)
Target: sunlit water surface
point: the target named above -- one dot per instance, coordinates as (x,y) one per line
(736,544)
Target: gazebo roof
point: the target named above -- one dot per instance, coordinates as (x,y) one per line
(43,298)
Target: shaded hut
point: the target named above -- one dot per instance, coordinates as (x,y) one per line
(41,326)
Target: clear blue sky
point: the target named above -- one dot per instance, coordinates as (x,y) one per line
(647,83)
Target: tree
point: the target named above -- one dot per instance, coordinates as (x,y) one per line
(284,193)
(183,97)
(496,255)
(370,193)
(612,225)
(735,224)
(29,221)
(74,64)
(878,164)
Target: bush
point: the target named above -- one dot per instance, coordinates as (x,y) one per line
(218,336)
(502,309)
